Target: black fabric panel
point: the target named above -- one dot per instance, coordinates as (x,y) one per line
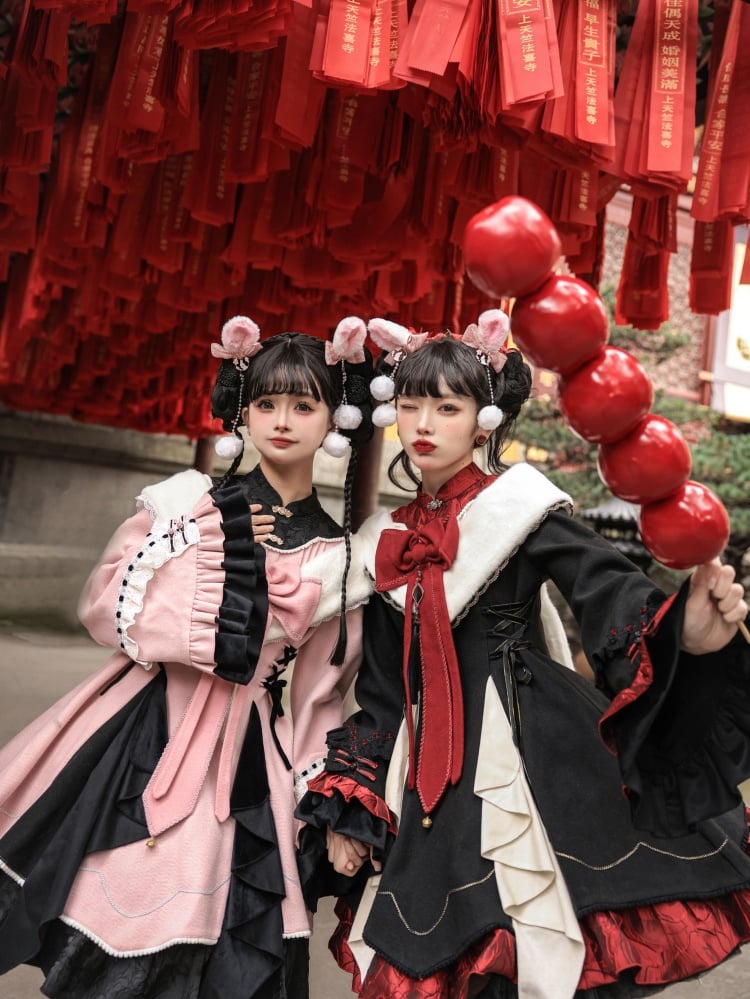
(684,745)
(249,951)
(244,607)
(92,805)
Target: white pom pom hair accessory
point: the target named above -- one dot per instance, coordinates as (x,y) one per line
(336,444)
(346,347)
(240,340)
(490,417)
(398,341)
(384,415)
(229,447)
(487,337)
(382,388)
(347,417)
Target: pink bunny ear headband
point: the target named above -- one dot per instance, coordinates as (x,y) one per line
(347,347)
(486,337)
(240,341)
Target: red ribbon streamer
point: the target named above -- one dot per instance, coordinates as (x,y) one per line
(418,559)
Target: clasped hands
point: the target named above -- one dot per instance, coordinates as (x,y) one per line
(347,855)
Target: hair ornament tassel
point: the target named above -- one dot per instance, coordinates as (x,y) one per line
(398,341)
(240,340)
(346,347)
(487,337)
(231,447)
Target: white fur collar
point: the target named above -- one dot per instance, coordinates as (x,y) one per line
(493,526)
(174,497)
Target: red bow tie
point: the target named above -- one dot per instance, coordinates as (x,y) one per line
(418,558)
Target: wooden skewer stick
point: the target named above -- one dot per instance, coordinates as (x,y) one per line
(744,632)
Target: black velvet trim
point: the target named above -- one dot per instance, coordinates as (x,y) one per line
(249,951)
(684,744)
(93,804)
(244,607)
(317,876)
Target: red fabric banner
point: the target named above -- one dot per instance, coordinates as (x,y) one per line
(711,267)
(672,103)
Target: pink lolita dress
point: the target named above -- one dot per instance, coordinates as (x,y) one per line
(147,841)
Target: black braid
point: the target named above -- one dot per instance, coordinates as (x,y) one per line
(228,397)
(337,659)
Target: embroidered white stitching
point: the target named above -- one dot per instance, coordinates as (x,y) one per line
(148,912)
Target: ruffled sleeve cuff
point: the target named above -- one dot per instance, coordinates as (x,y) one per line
(334,799)
(230,609)
(338,801)
(681,729)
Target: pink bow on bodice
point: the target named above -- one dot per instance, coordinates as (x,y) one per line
(291,599)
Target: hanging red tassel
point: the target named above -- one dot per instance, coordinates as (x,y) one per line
(711,267)
(209,196)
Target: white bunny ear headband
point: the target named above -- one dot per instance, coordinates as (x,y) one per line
(487,337)
(240,341)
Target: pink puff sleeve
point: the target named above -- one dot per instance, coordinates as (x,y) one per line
(157,589)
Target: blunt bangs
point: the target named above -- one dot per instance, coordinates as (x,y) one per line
(291,366)
(420,373)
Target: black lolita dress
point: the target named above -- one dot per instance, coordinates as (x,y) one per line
(148,846)
(514,864)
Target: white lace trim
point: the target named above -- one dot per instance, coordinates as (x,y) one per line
(299,935)
(303,777)
(11,873)
(209,941)
(165,541)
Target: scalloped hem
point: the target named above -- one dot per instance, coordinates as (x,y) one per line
(650,947)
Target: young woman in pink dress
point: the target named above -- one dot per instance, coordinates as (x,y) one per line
(148,847)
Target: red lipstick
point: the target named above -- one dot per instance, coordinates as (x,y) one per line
(424,447)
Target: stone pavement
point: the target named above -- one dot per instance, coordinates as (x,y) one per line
(37,667)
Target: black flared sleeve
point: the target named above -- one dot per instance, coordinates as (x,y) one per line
(349,795)
(680,724)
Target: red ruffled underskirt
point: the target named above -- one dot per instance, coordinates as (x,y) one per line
(662,943)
